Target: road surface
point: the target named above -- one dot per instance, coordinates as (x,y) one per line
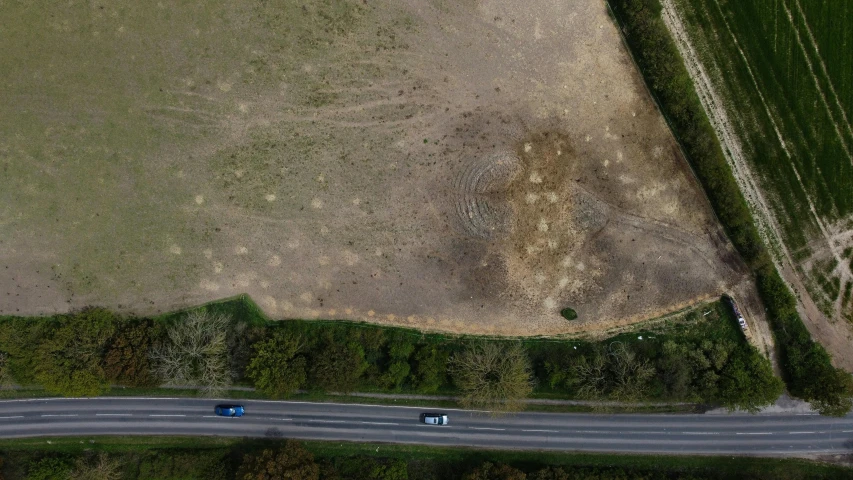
(695,434)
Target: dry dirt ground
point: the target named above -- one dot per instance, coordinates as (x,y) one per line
(460,166)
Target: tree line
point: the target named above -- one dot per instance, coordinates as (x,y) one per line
(87,352)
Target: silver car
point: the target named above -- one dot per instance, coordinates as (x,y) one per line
(434,418)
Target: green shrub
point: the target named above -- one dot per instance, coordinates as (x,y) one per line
(568,314)
(336,366)
(492,471)
(67,359)
(125,360)
(290,461)
(430,368)
(277,368)
(49,468)
(371,468)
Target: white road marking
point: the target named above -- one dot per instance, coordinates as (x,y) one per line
(328,421)
(284,419)
(549,431)
(285,402)
(113,414)
(700,433)
(60,415)
(800,433)
(158,415)
(626,432)
(487,428)
(15,416)
(59,399)
(753,433)
(380,423)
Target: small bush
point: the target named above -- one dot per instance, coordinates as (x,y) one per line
(568,314)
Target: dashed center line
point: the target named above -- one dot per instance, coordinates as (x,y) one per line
(700,433)
(487,428)
(327,421)
(380,423)
(60,415)
(14,416)
(801,433)
(164,415)
(547,431)
(753,433)
(113,414)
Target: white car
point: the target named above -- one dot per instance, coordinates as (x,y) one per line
(434,418)
(740,320)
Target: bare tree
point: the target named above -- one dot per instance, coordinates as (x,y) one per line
(493,376)
(590,376)
(103,468)
(630,375)
(195,353)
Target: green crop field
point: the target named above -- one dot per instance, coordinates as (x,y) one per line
(783,72)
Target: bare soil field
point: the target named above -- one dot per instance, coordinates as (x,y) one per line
(460,166)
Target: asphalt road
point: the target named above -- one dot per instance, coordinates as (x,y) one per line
(697,434)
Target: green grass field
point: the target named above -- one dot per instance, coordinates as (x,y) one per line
(172,457)
(782,69)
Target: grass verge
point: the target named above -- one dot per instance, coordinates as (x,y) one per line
(184,457)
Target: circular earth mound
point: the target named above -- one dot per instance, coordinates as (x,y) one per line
(481,196)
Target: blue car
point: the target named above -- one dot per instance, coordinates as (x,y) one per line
(229,410)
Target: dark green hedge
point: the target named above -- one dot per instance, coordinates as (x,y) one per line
(703,359)
(807,368)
